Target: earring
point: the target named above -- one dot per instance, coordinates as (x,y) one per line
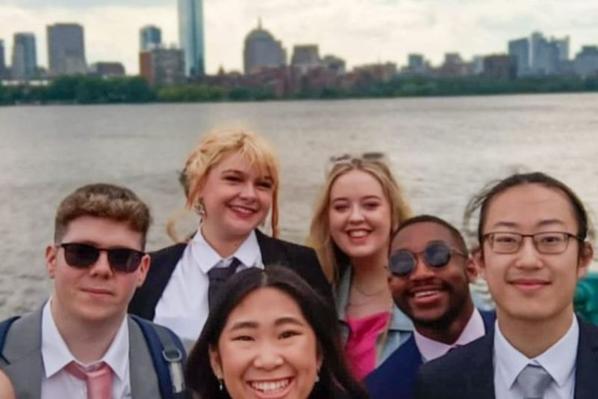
(220,383)
(318,376)
(199,208)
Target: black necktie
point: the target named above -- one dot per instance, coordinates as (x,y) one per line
(217,277)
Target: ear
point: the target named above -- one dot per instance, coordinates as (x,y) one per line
(477,261)
(51,255)
(585,259)
(216,363)
(471,269)
(143,269)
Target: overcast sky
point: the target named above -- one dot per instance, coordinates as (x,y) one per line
(360,31)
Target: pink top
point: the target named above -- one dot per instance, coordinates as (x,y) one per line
(361,345)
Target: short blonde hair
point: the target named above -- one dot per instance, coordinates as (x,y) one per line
(213,147)
(319,232)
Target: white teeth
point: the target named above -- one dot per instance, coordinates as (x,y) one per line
(357,233)
(270,386)
(424,293)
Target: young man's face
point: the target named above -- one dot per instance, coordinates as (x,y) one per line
(432,296)
(528,285)
(96,293)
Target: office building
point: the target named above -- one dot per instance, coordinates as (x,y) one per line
(519,51)
(150,37)
(191,36)
(334,64)
(305,58)
(162,66)
(24,57)
(586,62)
(262,51)
(66,49)
(107,69)
(499,66)
(3,69)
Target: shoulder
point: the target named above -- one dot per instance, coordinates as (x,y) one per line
(6,389)
(172,252)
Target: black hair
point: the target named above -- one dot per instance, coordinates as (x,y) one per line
(433,219)
(483,199)
(335,380)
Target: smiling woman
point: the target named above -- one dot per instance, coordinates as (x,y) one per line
(271,337)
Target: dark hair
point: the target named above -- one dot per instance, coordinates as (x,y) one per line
(433,219)
(335,378)
(103,200)
(483,199)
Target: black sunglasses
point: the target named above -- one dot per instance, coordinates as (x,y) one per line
(81,256)
(437,254)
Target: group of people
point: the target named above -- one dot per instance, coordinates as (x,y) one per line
(370,308)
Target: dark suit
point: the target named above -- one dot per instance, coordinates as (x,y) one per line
(395,378)
(469,372)
(301,259)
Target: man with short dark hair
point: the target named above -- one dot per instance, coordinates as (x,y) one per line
(430,274)
(81,344)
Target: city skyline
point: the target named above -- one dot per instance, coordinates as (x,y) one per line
(359,31)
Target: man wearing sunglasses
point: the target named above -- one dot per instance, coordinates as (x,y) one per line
(430,271)
(532,232)
(81,344)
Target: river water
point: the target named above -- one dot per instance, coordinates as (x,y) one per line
(443,150)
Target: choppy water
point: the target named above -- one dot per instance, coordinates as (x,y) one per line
(442,149)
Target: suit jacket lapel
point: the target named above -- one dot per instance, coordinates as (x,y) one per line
(272,252)
(480,380)
(586,366)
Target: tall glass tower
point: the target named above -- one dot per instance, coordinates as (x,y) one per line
(191,36)
(24,56)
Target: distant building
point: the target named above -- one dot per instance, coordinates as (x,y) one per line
(334,64)
(191,36)
(376,72)
(586,61)
(162,66)
(3,69)
(454,66)
(66,49)
(24,57)
(305,58)
(520,52)
(262,50)
(499,66)
(150,37)
(107,69)
(416,65)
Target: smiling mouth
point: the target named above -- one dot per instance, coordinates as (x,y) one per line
(358,233)
(270,388)
(243,210)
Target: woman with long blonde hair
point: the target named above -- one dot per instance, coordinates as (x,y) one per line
(231,179)
(360,205)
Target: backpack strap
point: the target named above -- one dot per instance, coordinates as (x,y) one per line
(168,357)
(4,327)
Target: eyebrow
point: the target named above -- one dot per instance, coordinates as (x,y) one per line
(240,172)
(278,322)
(542,223)
(367,197)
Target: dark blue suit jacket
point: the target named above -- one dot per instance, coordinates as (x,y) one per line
(468,373)
(395,378)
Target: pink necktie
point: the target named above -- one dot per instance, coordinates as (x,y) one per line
(98,381)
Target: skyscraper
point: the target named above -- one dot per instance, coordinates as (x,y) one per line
(2,60)
(261,50)
(150,37)
(191,36)
(66,50)
(24,56)
(519,51)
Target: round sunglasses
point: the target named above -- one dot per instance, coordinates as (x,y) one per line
(436,254)
(83,256)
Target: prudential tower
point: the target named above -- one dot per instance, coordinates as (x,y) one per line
(191,36)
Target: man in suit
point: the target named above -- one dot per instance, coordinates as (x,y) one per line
(81,343)
(430,274)
(532,230)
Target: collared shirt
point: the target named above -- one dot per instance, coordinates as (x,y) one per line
(59,383)
(431,349)
(183,306)
(558,360)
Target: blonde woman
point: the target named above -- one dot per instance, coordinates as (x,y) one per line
(360,205)
(231,179)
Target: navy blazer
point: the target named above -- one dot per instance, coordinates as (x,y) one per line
(302,260)
(395,378)
(469,373)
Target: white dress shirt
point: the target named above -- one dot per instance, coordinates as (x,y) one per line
(558,361)
(183,306)
(59,383)
(431,349)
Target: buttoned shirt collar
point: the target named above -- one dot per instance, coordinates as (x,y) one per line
(206,257)
(56,355)
(431,349)
(558,360)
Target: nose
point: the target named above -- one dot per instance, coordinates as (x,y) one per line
(268,357)
(355,215)
(421,270)
(528,256)
(248,190)
(101,267)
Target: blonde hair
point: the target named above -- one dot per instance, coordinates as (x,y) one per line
(212,148)
(319,232)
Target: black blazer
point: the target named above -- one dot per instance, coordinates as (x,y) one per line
(302,260)
(468,373)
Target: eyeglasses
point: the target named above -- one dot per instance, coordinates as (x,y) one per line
(547,242)
(82,256)
(437,254)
